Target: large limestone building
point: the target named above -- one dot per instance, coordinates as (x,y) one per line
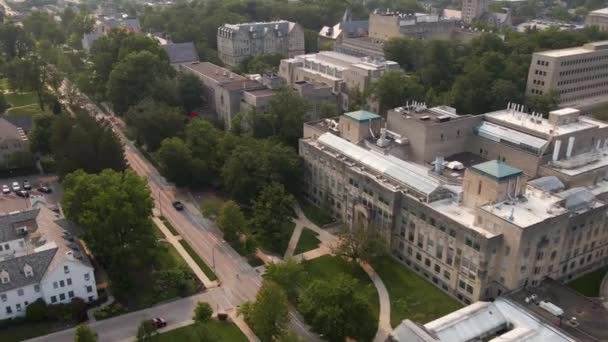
(478,205)
(598,18)
(235,42)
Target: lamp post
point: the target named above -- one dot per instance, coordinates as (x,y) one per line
(213,257)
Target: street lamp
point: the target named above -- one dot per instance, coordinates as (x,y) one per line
(213,257)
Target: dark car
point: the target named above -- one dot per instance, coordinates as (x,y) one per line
(27,185)
(159,322)
(179,206)
(22,193)
(45,189)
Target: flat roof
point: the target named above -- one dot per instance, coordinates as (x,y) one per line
(451,209)
(215,72)
(539,125)
(581,163)
(497,170)
(587,48)
(261,92)
(363,115)
(600,11)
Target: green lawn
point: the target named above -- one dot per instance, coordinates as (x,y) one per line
(308,241)
(21,99)
(329,267)
(169,226)
(278,246)
(223,331)
(24,331)
(197,259)
(411,296)
(316,215)
(589,284)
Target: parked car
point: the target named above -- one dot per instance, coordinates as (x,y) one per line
(27,185)
(6,189)
(22,193)
(45,189)
(179,206)
(16,186)
(159,322)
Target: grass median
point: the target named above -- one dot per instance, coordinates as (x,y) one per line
(197,259)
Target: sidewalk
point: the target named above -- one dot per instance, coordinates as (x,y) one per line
(384,322)
(173,240)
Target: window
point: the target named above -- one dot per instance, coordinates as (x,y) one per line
(9,310)
(20,292)
(537,270)
(469,289)
(54,299)
(427,262)
(62,296)
(55,285)
(3,297)
(37,288)
(462,284)
(89,289)
(90,298)
(437,268)
(71,294)
(18,306)
(62,283)
(446,274)
(69,280)
(66,269)
(418,256)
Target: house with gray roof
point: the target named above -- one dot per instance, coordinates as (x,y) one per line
(13,142)
(41,258)
(181,52)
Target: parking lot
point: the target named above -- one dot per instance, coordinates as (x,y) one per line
(12,202)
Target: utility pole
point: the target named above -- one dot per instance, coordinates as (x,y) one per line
(213,257)
(160,204)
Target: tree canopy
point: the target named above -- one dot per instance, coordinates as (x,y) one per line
(269,314)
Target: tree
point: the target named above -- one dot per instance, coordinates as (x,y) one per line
(272,212)
(202,313)
(14,41)
(405,51)
(289,275)
(337,309)
(543,103)
(231,221)
(175,159)
(113,209)
(393,89)
(190,91)
(328,109)
(153,122)
(360,244)
(286,114)
(37,311)
(40,135)
(147,331)
(84,334)
(269,314)
(26,74)
(4,105)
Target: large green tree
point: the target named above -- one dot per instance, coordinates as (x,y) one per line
(272,215)
(84,334)
(113,209)
(393,89)
(175,159)
(152,122)
(289,274)
(189,91)
(286,113)
(231,221)
(269,314)
(40,135)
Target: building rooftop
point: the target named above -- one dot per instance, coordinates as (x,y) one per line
(10,131)
(581,163)
(601,11)
(539,125)
(535,207)
(461,214)
(39,262)
(181,52)
(362,115)
(215,72)
(261,92)
(500,133)
(497,170)
(587,48)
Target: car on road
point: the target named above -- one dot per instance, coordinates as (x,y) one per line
(159,322)
(27,185)
(6,189)
(45,189)
(16,187)
(179,206)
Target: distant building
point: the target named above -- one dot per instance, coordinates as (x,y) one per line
(346,28)
(542,25)
(579,75)
(343,73)
(14,145)
(386,25)
(40,258)
(548,312)
(104,25)
(478,11)
(179,53)
(88,39)
(598,18)
(235,42)
(360,47)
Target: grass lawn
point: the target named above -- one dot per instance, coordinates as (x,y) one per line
(24,331)
(32,109)
(197,259)
(411,296)
(329,267)
(279,246)
(316,215)
(169,226)
(308,241)
(224,331)
(211,204)
(589,284)
(21,99)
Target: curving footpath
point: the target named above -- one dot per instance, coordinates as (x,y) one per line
(384,321)
(604,291)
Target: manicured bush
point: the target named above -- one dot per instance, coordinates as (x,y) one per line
(37,311)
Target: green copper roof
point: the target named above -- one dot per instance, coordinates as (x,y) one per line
(363,115)
(497,170)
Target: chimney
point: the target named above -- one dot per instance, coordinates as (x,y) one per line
(556,147)
(570,147)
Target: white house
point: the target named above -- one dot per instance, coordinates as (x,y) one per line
(40,258)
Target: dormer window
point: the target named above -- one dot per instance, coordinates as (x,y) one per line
(28,270)
(4,277)
(66,269)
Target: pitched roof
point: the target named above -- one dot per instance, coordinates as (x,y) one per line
(24,121)
(181,52)
(10,131)
(362,115)
(9,223)
(497,170)
(39,263)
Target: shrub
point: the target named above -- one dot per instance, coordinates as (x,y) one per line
(202,312)
(111,310)
(37,311)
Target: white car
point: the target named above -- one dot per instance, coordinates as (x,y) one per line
(6,189)
(16,186)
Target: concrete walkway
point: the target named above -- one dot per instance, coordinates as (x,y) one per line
(384,321)
(604,291)
(91,312)
(295,237)
(173,240)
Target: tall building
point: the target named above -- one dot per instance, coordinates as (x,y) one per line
(478,205)
(386,25)
(579,75)
(598,18)
(41,259)
(343,73)
(473,10)
(235,42)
